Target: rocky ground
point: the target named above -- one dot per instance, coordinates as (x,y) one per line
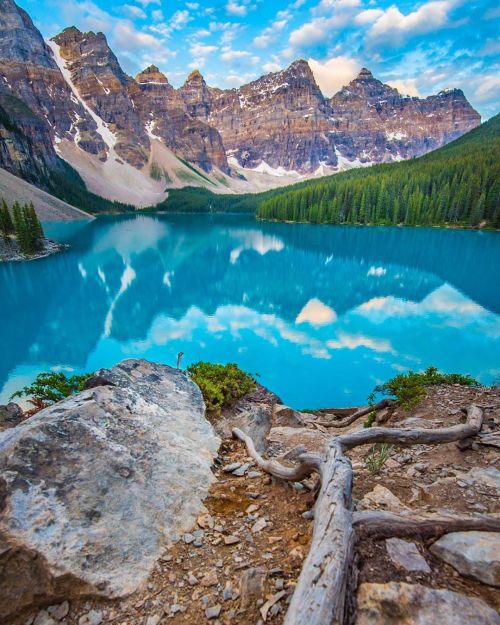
(9,250)
(240,561)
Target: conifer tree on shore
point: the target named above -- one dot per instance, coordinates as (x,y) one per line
(23,224)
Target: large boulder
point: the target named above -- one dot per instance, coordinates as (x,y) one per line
(92,489)
(397,603)
(473,554)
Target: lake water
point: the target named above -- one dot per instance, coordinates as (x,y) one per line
(321,313)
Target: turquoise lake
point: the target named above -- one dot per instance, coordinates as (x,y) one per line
(321,313)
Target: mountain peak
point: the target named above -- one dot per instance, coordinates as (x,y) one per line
(195,76)
(151,75)
(300,66)
(364,74)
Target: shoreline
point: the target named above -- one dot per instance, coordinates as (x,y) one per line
(10,252)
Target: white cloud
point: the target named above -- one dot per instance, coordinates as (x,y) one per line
(405,87)
(368,16)
(489,88)
(135,11)
(233,8)
(157,15)
(395,28)
(127,37)
(271,67)
(333,74)
(229,54)
(316,314)
(146,3)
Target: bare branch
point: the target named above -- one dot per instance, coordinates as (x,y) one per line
(309,462)
(360,412)
(377,524)
(408,437)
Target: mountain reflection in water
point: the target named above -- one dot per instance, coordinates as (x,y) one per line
(321,313)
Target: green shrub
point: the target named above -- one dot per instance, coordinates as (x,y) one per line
(50,387)
(370,419)
(220,385)
(408,389)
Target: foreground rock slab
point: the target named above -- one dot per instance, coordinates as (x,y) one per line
(473,554)
(93,488)
(412,604)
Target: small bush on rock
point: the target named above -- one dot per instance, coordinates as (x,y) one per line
(408,389)
(50,387)
(221,385)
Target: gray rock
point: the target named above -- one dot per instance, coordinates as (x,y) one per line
(154,619)
(413,604)
(251,585)
(473,554)
(59,611)
(381,498)
(213,612)
(229,468)
(406,556)
(94,617)
(240,472)
(10,414)
(43,618)
(90,484)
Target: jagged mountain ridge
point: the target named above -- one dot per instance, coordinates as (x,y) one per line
(114,129)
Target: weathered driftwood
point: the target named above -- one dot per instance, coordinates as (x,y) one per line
(321,593)
(360,412)
(375,524)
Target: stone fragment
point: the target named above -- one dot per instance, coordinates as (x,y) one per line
(473,554)
(154,619)
(59,611)
(406,556)
(94,617)
(231,540)
(43,618)
(259,525)
(213,612)
(270,603)
(251,585)
(381,498)
(412,604)
(210,578)
(240,472)
(229,468)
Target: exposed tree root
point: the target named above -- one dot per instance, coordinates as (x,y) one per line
(322,593)
(376,524)
(360,412)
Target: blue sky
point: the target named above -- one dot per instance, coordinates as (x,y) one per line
(418,47)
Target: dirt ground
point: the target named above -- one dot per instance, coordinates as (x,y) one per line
(240,563)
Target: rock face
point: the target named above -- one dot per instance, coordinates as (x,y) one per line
(93,488)
(473,554)
(412,604)
(373,122)
(73,89)
(280,121)
(36,100)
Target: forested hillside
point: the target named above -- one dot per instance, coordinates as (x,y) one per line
(457,184)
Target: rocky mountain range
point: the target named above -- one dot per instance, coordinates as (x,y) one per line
(129,138)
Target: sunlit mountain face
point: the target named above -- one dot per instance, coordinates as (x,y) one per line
(321,314)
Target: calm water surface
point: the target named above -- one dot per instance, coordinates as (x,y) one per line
(321,313)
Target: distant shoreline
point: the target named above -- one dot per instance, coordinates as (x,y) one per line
(10,252)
